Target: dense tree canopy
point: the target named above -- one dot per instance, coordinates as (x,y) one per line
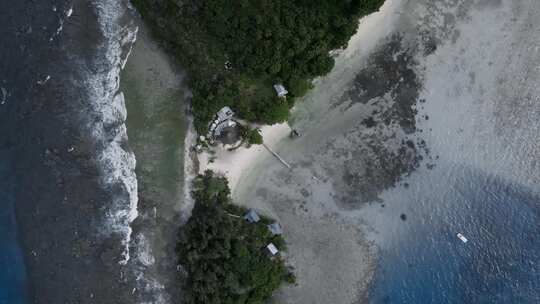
(254,137)
(236,49)
(223,254)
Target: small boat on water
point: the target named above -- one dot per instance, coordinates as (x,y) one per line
(462,238)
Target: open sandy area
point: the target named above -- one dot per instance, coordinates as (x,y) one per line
(233,164)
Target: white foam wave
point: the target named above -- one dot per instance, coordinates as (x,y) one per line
(69,12)
(150,285)
(118,164)
(61,22)
(149,289)
(144,251)
(190,172)
(4,95)
(108,122)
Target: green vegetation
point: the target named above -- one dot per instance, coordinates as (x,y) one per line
(223,254)
(235,50)
(252,136)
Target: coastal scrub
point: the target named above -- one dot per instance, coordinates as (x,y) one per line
(223,254)
(235,51)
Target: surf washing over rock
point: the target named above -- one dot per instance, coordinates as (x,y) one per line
(106,120)
(115,156)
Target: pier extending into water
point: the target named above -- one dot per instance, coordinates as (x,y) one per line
(278,157)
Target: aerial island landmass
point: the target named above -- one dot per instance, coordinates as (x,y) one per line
(245,69)
(284,151)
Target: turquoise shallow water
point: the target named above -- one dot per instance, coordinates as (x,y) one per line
(13,289)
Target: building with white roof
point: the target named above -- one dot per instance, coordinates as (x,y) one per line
(222,126)
(225,114)
(272,249)
(280,90)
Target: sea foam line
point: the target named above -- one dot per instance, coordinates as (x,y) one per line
(190,172)
(67,14)
(108,123)
(117,163)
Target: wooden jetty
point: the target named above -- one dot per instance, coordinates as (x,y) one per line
(277,156)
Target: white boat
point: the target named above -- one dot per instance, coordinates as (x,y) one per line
(462,238)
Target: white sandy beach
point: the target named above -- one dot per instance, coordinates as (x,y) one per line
(233,164)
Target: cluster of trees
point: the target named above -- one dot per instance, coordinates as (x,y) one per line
(254,137)
(251,136)
(223,254)
(236,49)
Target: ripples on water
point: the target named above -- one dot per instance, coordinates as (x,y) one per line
(499,264)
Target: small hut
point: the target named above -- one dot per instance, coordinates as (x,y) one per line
(271,249)
(224,114)
(252,216)
(275,228)
(280,90)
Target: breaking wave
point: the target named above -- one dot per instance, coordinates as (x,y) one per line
(116,160)
(106,121)
(190,170)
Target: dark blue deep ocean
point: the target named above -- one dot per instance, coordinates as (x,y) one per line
(500,264)
(12,272)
